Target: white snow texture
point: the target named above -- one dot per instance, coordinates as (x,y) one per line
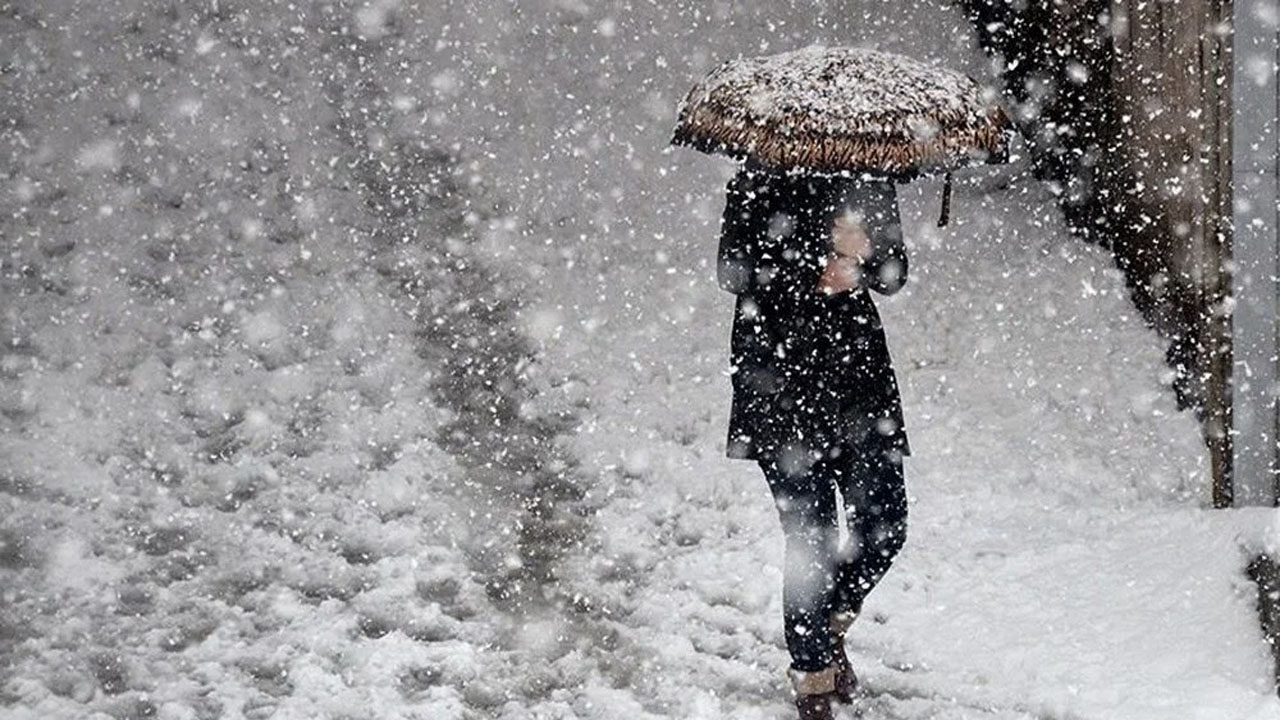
(365,359)
(870,93)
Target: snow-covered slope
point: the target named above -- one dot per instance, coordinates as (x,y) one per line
(263,448)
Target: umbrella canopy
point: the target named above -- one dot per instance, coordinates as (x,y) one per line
(843,110)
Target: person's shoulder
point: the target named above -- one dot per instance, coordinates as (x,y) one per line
(873,195)
(756,175)
(868,184)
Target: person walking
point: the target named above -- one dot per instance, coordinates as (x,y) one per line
(815,398)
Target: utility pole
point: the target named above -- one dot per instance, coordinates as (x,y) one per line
(1254,221)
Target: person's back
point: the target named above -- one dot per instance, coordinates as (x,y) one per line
(815,400)
(791,329)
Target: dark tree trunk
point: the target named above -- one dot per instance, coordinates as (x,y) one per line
(1124,106)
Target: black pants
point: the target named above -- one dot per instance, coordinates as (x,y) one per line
(820,578)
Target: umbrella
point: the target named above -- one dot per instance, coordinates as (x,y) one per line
(844,110)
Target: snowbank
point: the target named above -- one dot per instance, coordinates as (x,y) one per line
(229,261)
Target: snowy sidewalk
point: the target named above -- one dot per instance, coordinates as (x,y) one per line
(1059,564)
(230,501)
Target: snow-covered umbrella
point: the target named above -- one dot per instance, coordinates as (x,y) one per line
(840,109)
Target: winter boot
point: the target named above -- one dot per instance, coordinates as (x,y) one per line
(846,682)
(814,693)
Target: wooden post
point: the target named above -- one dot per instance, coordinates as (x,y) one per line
(1254,227)
(1274,479)
(1171,81)
(1217,244)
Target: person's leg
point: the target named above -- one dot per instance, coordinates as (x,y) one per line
(875,501)
(806,507)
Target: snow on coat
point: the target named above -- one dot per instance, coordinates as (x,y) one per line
(811,372)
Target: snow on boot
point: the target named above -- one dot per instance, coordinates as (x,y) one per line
(814,707)
(814,693)
(846,681)
(841,622)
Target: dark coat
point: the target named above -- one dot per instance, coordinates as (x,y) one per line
(811,372)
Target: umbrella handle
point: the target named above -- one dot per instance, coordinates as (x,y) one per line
(945,215)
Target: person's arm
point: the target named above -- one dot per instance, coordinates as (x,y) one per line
(885,270)
(762,249)
(849,247)
(735,264)
(867,247)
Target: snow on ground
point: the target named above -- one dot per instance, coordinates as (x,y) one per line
(249,352)
(225,491)
(1060,563)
